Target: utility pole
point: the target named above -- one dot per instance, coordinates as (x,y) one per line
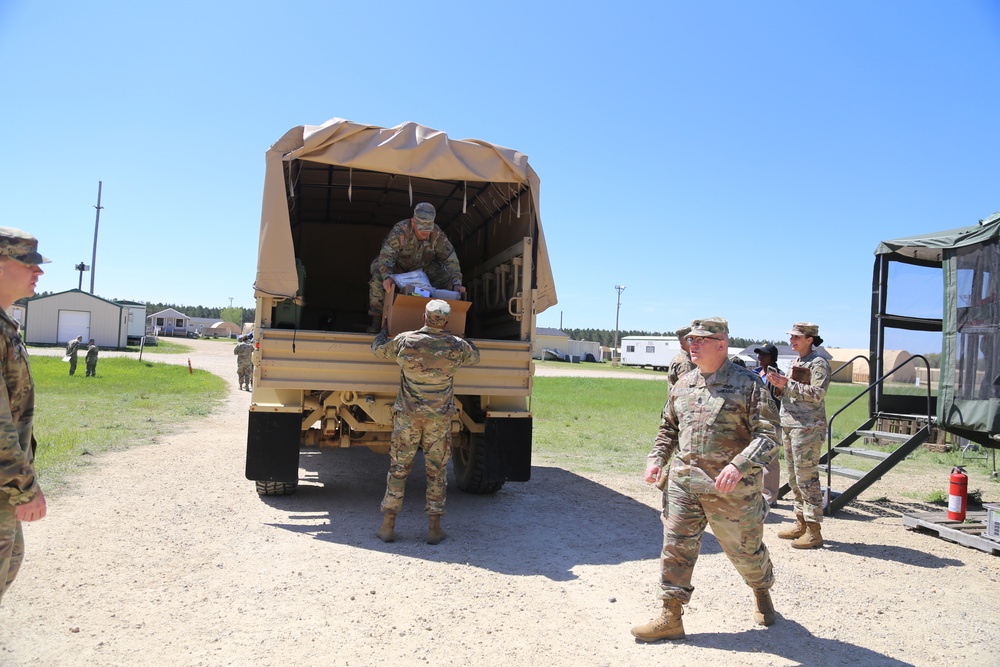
(620,288)
(97,224)
(230,302)
(81,267)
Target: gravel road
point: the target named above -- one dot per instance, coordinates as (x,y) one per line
(164,555)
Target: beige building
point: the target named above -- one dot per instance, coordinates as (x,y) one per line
(858,370)
(53,319)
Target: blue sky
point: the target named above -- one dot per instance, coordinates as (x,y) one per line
(716,158)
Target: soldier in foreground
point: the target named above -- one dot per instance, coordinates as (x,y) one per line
(719,419)
(414,243)
(72,351)
(21,499)
(423,411)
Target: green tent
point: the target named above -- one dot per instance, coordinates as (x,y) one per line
(968,258)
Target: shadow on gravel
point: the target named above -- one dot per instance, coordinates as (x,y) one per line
(794,643)
(547,526)
(892,552)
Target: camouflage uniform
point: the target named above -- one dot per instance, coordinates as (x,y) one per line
(727,417)
(803,432)
(17,458)
(244,363)
(92,352)
(72,348)
(402,251)
(679,365)
(424,408)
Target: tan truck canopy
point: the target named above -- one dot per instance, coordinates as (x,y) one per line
(406,150)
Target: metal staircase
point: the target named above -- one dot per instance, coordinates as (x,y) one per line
(834,501)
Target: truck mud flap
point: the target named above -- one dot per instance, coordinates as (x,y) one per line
(512,437)
(273,446)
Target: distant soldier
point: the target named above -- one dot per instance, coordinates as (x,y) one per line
(92,352)
(414,243)
(719,421)
(244,362)
(803,431)
(72,348)
(423,411)
(767,359)
(681,363)
(21,499)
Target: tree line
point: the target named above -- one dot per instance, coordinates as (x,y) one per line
(606,337)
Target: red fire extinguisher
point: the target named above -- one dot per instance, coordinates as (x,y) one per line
(958,494)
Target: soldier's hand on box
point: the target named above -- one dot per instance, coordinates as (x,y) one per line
(728,478)
(33,510)
(387,283)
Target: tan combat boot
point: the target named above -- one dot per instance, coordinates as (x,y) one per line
(763,610)
(434,532)
(798,530)
(387,533)
(667,625)
(812,538)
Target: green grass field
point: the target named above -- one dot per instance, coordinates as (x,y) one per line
(608,425)
(128,402)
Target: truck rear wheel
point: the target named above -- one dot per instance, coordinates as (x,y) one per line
(276,488)
(470,465)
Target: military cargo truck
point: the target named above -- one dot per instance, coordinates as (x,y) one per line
(331,194)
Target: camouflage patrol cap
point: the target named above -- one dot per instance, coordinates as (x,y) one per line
(423,216)
(683,332)
(804,329)
(20,245)
(437,312)
(710,326)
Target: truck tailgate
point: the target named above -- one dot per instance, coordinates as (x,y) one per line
(333,361)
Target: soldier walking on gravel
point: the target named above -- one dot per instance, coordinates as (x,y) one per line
(719,419)
(425,405)
(803,430)
(21,499)
(244,362)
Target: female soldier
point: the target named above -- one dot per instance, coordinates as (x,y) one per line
(803,428)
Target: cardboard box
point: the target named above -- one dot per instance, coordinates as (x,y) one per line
(406,313)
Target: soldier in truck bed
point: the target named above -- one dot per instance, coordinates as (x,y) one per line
(414,243)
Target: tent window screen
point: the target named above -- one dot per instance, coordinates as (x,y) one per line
(977,319)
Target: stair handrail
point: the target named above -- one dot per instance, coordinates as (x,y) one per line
(829,424)
(851,361)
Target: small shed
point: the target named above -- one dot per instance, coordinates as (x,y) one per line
(168,322)
(16,313)
(135,319)
(54,319)
(549,339)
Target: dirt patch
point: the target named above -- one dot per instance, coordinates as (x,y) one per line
(163,554)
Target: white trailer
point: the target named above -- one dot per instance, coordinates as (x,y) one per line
(654,351)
